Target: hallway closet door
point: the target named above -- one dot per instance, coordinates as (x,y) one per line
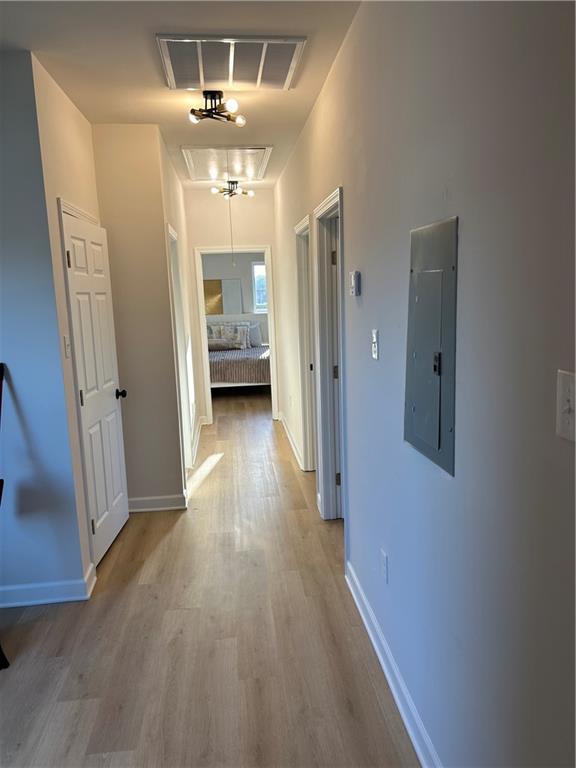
(96,374)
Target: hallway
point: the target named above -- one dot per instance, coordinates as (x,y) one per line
(224,636)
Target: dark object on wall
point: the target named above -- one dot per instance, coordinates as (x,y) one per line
(431,350)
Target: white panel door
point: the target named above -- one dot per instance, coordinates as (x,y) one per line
(96,367)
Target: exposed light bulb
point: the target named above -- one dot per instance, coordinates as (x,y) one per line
(214,190)
(251,193)
(231,105)
(193,119)
(240,121)
(239,190)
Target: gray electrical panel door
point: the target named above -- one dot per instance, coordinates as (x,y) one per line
(431,350)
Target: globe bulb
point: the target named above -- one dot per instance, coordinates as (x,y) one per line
(231,105)
(193,119)
(214,190)
(251,193)
(240,121)
(239,190)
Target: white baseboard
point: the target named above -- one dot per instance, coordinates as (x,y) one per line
(40,593)
(157,503)
(90,579)
(291,440)
(418,734)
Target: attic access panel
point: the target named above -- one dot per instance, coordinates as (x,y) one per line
(431,350)
(198,62)
(223,163)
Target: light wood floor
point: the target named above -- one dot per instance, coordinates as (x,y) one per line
(222,636)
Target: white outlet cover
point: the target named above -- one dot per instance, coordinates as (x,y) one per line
(565,405)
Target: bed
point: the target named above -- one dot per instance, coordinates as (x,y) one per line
(240,367)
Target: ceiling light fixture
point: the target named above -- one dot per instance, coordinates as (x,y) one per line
(232,189)
(217,109)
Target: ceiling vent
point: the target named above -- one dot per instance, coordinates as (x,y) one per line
(199,62)
(223,163)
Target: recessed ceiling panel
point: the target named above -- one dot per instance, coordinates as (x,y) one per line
(233,63)
(247,58)
(276,64)
(215,61)
(223,163)
(186,65)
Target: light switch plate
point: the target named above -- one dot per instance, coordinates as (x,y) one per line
(355,283)
(565,405)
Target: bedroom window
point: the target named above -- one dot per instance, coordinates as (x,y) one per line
(259,288)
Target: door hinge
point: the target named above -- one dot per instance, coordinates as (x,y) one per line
(335,372)
(311,366)
(81,397)
(334,255)
(338,478)
(93,527)
(68,259)
(437,363)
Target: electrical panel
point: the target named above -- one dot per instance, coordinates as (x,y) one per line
(431,349)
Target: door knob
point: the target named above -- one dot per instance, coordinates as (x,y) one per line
(120,393)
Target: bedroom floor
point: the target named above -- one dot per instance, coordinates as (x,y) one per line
(220,636)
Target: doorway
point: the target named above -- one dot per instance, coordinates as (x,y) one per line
(329,310)
(182,356)
(236,307)
(306,334)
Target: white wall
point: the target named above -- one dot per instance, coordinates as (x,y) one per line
(69,173)
(42,518)
(468,110)
(130,193)
(209,225)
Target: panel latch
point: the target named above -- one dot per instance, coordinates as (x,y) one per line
(437,363)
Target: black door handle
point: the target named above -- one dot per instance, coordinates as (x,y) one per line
(120,393)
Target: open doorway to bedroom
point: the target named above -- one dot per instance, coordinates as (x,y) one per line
(235,297)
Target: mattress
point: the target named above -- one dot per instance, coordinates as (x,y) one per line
(240,366)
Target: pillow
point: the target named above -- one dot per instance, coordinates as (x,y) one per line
(220,344)
(255,335)
(231,337)
(228,330)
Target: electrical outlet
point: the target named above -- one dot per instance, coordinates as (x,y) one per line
(384,566)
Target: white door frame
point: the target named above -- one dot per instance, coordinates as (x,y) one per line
(265,249)
(328,504)
(181,398)
(306,337)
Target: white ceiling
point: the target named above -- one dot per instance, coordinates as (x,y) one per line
(105,57)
